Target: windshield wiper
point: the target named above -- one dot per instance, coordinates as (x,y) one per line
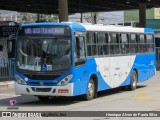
(23,53)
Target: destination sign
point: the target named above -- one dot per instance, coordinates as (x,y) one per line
(57,31)
(44,31)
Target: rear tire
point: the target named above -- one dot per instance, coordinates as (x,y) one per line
(43,98)
(91,91)
(133,84)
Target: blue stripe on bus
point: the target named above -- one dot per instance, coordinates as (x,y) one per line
(148,30)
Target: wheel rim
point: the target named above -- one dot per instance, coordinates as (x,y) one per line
(134,84)
(91,89)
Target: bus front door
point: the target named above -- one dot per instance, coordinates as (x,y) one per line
(80,60)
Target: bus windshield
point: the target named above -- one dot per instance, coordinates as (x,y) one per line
(43,54)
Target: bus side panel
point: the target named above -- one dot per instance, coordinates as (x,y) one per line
(102,85)
(142,63)
(114,71)
(80,80)
(82,75)
(145,65)
(140,66)
(102,72)
(151,65)
(126,64)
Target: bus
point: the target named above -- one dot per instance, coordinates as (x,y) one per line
(72,59)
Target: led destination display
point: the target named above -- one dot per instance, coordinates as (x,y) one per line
(44,31)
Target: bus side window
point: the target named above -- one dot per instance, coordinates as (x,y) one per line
(117,49)
(91,44)
(142,45)
(105,45)
(133,43)
(79,51)
(124,43)
(150,43)
(114,44)
(102,41)
(111,44)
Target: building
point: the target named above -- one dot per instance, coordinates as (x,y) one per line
(133,15)
(7,42)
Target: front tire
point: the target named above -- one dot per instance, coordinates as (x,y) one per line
(133,84)
(91,92)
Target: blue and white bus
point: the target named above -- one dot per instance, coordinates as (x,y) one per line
(70,59)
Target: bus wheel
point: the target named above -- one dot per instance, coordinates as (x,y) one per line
(91,90)
(43,98)
(133,84)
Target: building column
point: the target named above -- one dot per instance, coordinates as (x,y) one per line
(95,18)
(142,14)
(38,17)
(63,10)
(81,17)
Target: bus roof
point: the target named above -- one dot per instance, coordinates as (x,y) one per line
(96,27)
(112,28)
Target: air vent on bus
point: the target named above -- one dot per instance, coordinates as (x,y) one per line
(42,77)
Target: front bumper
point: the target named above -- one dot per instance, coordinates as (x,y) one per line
(66,90)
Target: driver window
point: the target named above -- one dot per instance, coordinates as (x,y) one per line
(80,52)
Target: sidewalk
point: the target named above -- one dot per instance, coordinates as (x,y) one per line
(6,83)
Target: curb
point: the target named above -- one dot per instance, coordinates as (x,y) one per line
(6,84)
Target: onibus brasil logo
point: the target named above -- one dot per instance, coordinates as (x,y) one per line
(12,102)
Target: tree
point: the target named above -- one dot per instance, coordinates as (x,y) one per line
(30,17)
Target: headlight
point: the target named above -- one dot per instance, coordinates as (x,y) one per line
(65,80)
(20,80)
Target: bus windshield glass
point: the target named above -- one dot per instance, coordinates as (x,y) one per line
(43,53)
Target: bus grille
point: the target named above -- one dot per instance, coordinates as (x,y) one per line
(40,89)
(45,83)
(42,77)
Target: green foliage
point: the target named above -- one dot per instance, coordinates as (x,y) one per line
(30,17)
